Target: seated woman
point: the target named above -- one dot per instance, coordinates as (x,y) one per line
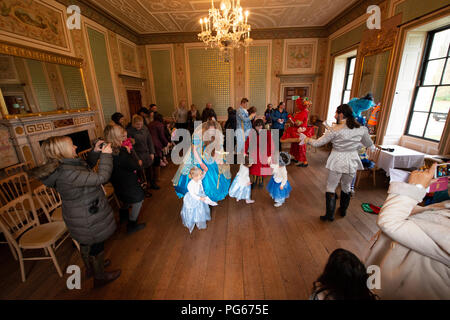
(413,246)
(206,152)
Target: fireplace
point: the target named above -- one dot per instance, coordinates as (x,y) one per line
(28,133)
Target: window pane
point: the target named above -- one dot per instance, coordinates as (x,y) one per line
(446,79)
(352,65)
(435,126)
(442,100)
(418,122)
(423,99)
(349,82)
(434,72)
(441,41)
(346,96)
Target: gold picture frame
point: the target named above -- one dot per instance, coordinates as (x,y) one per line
(40,55)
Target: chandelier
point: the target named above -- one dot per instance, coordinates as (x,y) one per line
(226,27)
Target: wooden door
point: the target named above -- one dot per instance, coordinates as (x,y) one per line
(290,92)
(134,101)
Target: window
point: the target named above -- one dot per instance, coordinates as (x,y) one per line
(431,100)
(349,69)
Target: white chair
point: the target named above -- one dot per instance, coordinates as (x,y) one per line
(22,229)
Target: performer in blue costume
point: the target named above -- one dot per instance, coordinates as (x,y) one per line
(360,105)
(218,177)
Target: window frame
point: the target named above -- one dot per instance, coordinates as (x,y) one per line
(347,74)
(419,84)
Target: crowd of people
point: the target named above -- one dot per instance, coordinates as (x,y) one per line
(412,247)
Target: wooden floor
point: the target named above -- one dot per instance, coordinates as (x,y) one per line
(251,251)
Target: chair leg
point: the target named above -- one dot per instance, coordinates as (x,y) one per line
(55,262)
(374,177)
(46,251)
(22,267)
(358,174)
(76,244)
(13,251)
(117,200)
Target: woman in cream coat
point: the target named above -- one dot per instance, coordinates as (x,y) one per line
(413,246)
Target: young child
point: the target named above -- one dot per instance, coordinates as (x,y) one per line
(241,186)
(279,187)
(195,209)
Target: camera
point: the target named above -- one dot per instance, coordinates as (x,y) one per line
(101,144)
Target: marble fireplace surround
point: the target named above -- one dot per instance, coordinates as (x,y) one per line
(27,132)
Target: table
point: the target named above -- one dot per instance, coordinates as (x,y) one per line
(400,158)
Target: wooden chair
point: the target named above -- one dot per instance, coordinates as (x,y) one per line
(18,168)
(373,155)
(316,130)
(13,187)
(83,154)
(50,202)
(22,229)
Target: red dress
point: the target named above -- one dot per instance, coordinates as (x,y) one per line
(259,168)
(300,120)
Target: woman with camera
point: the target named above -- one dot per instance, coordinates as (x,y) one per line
(86,211)
(124,178)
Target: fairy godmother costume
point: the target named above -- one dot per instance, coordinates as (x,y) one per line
(218,176)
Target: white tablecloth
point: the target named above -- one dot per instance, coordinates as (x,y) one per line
(401,158)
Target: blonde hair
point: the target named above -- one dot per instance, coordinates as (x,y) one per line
(136,118)
(194,172)
(58,148)
(113,134)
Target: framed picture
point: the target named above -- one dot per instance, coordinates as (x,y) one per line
(128,58)
(299,56)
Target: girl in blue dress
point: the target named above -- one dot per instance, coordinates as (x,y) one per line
(279,187)
(206,153)
(241,187)
(195,211)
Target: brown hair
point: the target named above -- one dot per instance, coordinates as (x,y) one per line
(251,110)
(58,148)
(244,100)
(347,111)
(205,126)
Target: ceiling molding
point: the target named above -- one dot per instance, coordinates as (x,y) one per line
(259,34)
(351,13)
(94,13)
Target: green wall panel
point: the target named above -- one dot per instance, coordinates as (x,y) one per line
(74,87)
(210,80)
(257,82)
(40,85)
(99,52)
(162,78)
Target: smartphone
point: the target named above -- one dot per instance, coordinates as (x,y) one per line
(442,170)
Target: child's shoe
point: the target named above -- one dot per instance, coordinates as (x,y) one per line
(277,204)
(249,201)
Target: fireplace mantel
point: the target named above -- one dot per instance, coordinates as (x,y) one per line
(27,132)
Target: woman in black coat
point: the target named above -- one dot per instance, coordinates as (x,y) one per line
(124,178)
(86,211)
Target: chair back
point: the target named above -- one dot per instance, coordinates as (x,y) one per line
(17,217)
(13,187)
(374,154)
(20,167)
(49,200)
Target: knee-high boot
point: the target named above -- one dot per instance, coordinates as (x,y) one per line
(331,206)
(100,276)
(344,203)
(84,251)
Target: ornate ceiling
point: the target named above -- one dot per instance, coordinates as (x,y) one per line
(167,16)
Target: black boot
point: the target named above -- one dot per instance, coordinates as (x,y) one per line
(133,226)
(331,206)
(123,215)
(100,276)
(344,203)
(84,250)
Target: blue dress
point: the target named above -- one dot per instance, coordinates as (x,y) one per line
(195,212)
(240,188)
(216,181)
(279,174)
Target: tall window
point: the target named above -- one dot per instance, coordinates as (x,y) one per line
(349,69)
(431,101)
